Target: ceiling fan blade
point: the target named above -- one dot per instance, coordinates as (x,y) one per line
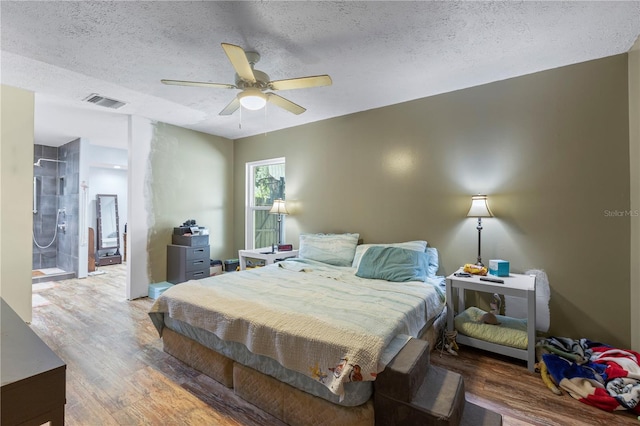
(198,84)
(301,83)
(238,59)
(231,108)
(285,104)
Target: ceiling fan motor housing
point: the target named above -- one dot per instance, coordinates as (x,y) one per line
(262,80)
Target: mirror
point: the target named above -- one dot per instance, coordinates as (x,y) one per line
(107,214)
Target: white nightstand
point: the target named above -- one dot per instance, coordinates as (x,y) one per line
(514,285)
(263,254)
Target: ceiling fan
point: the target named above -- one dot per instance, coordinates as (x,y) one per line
(254,83)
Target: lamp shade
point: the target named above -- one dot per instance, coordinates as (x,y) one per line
(279,207)
(252,98)
(479,207)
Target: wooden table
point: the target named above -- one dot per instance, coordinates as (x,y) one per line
(33,377)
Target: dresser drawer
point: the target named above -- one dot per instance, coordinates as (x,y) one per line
(114,259)
(196,264)
(196,253)
(196,275)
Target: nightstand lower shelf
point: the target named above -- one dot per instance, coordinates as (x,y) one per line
(494,347)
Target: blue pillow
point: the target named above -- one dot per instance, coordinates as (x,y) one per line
(434,263)
(393,264)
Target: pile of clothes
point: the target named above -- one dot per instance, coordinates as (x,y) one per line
(593,373)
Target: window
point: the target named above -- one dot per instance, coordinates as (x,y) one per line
(265,183)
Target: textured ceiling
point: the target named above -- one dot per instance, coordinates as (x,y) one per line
(377,53)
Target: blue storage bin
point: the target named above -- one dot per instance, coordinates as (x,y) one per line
(155,290)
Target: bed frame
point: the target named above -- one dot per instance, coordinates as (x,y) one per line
(279,399)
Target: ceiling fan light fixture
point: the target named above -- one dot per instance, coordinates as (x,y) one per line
(252,99)
(253,83)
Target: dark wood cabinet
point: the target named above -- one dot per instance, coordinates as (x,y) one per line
(33,376)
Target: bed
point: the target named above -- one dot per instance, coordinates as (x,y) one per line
(304,339)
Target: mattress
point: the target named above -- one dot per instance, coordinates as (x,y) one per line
(313,294)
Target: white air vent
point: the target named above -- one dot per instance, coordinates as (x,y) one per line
(96,99)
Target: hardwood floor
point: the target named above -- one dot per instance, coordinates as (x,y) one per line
(117,373)
(505,385)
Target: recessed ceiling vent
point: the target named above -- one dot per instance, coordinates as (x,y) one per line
(96,99)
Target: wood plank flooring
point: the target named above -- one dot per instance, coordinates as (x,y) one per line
(505,385)
(117,373)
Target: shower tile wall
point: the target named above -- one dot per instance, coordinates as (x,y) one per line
(44,221)
(69,192)
(57,187)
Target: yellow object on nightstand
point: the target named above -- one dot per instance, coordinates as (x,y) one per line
(475,269)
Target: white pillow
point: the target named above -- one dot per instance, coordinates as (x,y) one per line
(409,245)
(334,249)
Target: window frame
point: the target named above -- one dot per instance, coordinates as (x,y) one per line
(249,207)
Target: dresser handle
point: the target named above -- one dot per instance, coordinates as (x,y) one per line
(195,262)
(198,273)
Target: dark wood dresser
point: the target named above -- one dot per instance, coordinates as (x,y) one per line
(33,377)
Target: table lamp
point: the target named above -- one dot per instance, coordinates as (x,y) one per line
(279,208)
(479,208)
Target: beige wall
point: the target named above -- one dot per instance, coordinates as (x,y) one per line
(634,156)
(16,198)
(550,149)
(191,179)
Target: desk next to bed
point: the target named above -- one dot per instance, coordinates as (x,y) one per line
(267,254)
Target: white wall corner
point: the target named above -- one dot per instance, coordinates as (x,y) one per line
(139,202)
(83,209)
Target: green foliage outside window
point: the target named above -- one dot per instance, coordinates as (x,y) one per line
(269,185)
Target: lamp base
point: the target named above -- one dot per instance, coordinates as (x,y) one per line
(479,228)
